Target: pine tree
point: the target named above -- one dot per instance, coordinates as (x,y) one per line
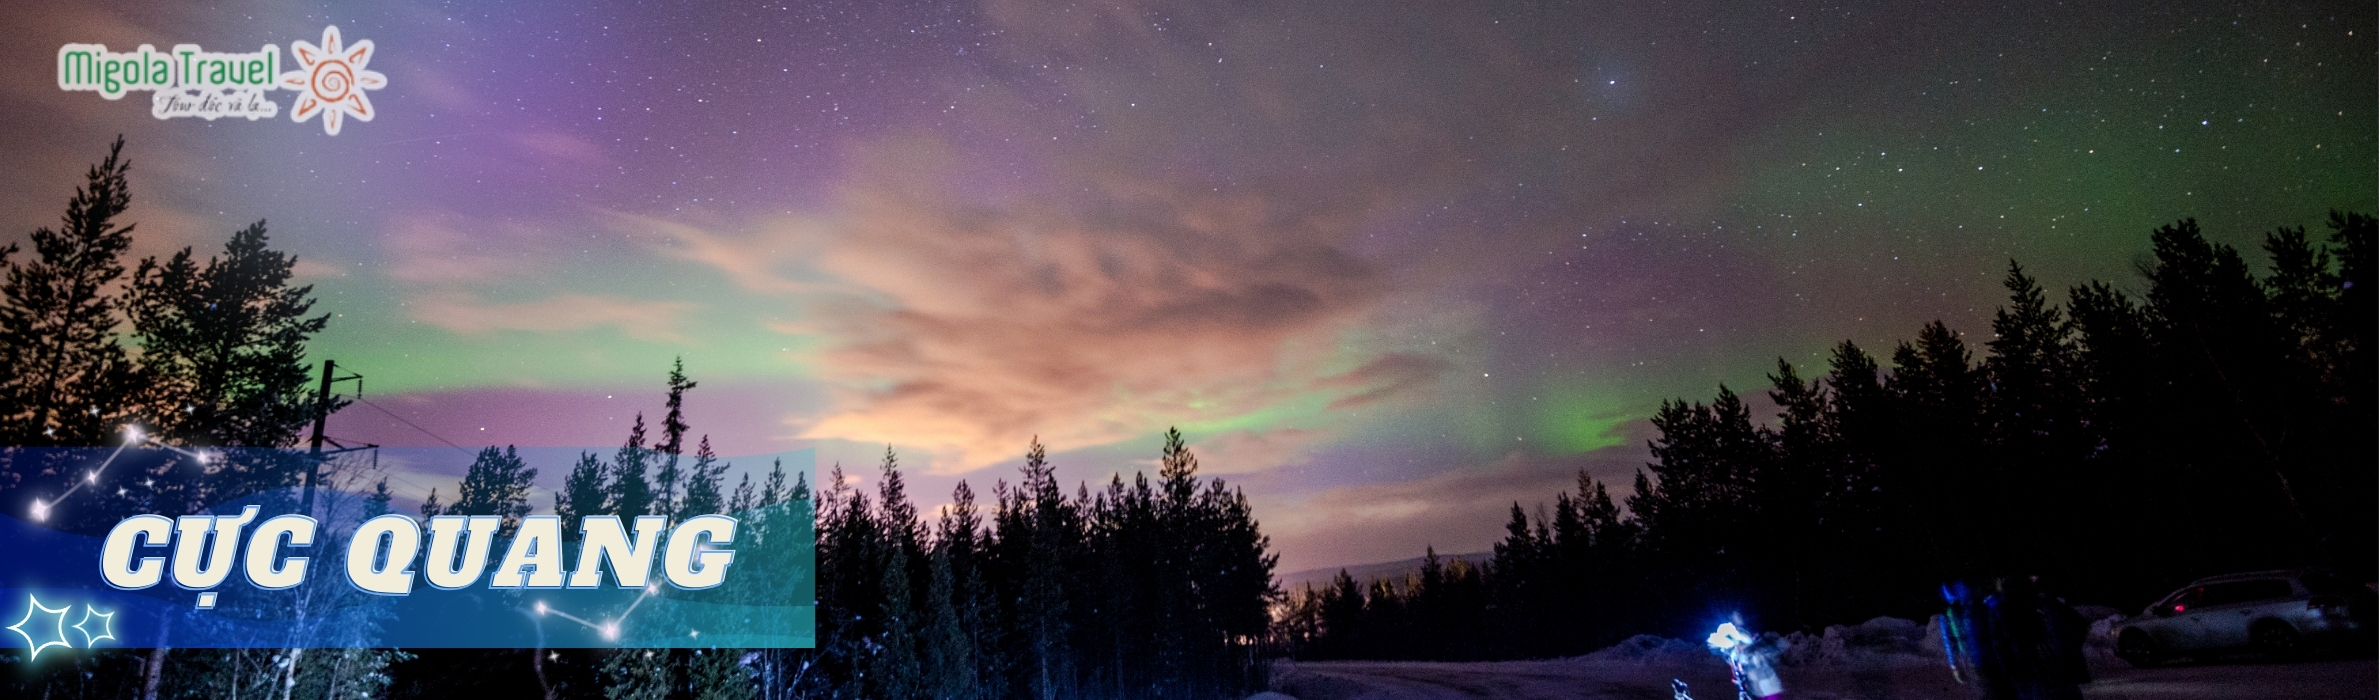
(897,666)
(582,492)
(1345,624)
(1612,576)
(2030,370)
(744,497)
(1707,456)
(2305,292)
(1175,588)
(377,503)
(958,538)
(1864,412)
(223,344)
(718,674)
(2032,418)
(2215,332)
(1038,533)
(2353,244)
(2116,372)
(2129,442)
(948,657)
(2325,454)
(65,379)
(497,483)
(851,593)
(1791,493)
(1932,467)
(629,494)
(773,492)
(702,483)
(1696,511)
(639,674)
(673,437)
(1519,562)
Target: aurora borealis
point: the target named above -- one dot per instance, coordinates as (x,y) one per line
(1392,266)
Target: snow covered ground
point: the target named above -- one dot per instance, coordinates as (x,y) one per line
(1881,659)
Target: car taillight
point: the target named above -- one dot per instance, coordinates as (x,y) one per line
(2327,605)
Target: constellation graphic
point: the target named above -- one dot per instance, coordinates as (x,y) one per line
(609,629)
(132,436)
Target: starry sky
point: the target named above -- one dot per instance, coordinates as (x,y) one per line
(1391,266)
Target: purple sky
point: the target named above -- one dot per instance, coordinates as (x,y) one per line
(1391,266)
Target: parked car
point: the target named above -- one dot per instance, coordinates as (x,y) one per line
(2275,612)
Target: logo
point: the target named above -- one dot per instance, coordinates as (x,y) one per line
(190,81)
(332,82)
(278,567)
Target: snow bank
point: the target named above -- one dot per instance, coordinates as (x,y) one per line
(1881,642)
(1891,641)
(1884,641)
(1649,650)
(2101,646)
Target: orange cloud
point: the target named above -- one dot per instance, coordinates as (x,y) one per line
(973,330)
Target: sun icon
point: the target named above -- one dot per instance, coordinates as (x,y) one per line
(331,80)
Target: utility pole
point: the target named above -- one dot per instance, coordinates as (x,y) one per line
(322,414)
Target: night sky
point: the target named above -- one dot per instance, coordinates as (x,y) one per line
(1391,266)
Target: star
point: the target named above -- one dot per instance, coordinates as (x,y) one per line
(106,621)
(60,637)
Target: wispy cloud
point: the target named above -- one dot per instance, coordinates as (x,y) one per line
(769,262)
(436,250)
(657,321)
(978,329)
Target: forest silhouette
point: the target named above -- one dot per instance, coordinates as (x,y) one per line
(2114,444)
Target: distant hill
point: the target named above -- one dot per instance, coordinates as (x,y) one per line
(1367,573)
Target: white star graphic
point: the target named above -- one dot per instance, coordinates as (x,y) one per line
(106,620)
(19,628)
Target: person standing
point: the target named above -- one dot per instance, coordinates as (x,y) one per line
(1752,659)
(2025,646)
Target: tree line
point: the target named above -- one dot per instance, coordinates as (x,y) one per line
(2117,445)
(1142,589)
(645,476)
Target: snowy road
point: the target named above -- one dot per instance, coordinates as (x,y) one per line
(1356,680)
(2353,679)
(2305,680)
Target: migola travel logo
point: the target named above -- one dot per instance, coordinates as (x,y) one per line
(190,81)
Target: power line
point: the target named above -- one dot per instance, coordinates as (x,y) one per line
(424,431)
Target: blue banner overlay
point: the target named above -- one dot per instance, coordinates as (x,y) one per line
(737,579)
